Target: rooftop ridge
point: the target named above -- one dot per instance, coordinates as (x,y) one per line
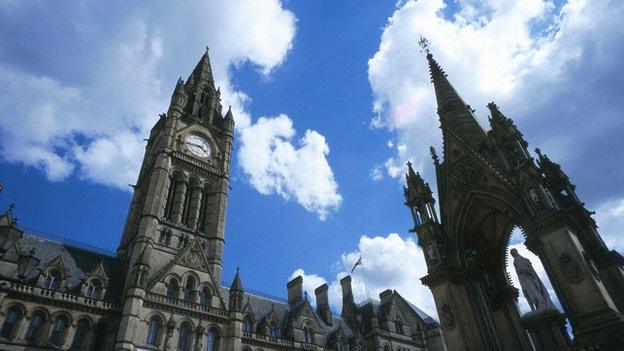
(67,241)
(259,293)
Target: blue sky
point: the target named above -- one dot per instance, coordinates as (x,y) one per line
(334,96)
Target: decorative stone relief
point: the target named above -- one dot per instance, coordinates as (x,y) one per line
(447,316)
(570,268)
(465,173)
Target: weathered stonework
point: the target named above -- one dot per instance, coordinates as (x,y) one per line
(162,289)
(488,183)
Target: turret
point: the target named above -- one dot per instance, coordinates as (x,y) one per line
(228,121)
(236,293)
(507,138)
(142,266)
(178,99)
(419,198)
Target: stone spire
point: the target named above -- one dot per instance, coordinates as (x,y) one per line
(452,110)
(202,72)
(237,285)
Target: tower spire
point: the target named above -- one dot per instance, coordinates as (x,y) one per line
(452,109)
(202,72)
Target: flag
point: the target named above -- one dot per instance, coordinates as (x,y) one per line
(357,263)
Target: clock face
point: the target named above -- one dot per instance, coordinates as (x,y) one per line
(197,145)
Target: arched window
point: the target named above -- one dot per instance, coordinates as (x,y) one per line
(154,331)
(189,289)
(212,342)
(34,328)
(172,288)
(12,319)
(399,327)
(247,325)
(79,336)
(184,337)
(205,296)
(100,337)
(273,331)
(308,334)
(187,204)
(342,345)
(173,186)
(94,288)
(58,331)
(205,210)
(52,280)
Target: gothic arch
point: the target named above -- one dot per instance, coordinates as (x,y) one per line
(498,210)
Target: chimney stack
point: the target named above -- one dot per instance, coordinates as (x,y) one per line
(295,290)
(322,304)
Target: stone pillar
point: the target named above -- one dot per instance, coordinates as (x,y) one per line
(508,321)
(609,265)
(179,198)
(588,306)
(20,333)
(195,205)
(547,329)
(129,320)
(463,308)
(69,335)
(235,331)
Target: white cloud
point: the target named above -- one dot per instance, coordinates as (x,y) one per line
(389,262)
(275,164)
(91,95)
(610,219)
(310,283)
(538,61)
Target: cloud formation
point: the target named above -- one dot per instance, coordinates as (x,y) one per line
(389,262)
(88,112)
(547,65)
(275,165)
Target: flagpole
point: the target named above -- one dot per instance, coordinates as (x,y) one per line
(364,277)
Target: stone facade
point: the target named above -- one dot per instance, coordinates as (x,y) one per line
(488,183)
(162,290)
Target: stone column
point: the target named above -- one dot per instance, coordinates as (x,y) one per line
(22,327)
(508,321)
(195,205)
(582,295)
(179,198)
(69,336)
(130,318)
(235,331)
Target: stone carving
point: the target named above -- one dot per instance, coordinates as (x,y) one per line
(570,268)
(465,173)
(447,316)
(194,258)
(533,289)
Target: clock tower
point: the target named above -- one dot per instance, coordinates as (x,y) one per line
(176,221)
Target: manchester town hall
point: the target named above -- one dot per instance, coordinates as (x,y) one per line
(162,289)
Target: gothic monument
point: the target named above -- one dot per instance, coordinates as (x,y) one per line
(488,182)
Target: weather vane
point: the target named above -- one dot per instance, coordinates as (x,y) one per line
(424,44)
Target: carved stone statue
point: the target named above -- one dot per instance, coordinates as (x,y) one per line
(532,287)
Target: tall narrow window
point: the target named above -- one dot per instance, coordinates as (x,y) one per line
(13,317)
(247,325)
(189,289)
(184,337)
(307,335)
(212,342)
(58,331)
(79,336)
(205,296)
(34,328)
(172,288)
(273,329)
(203,209)
(170,196)
(94,288)
(100,337)
(153,331)
(52,281)
(187,204)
